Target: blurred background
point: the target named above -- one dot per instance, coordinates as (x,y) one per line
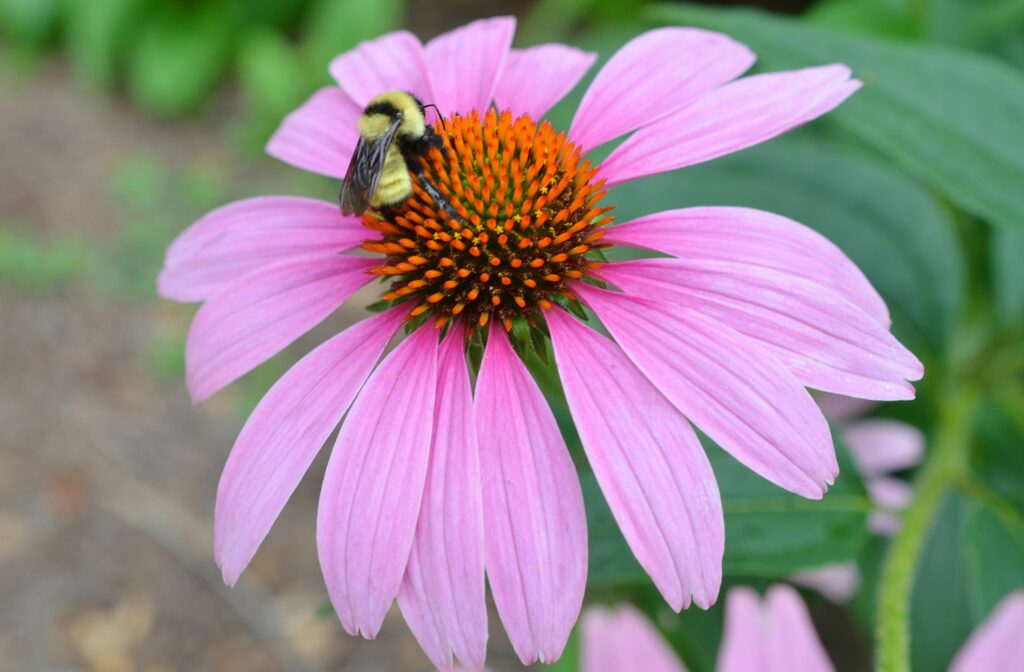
(122,121)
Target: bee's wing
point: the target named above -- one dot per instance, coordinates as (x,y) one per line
(365,170)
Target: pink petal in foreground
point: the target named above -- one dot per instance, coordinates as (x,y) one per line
(285,433)
(536,539)
(374,482)
(737,394)
(742,644)
(534,79)
(261,313)
(622,639)
(653,75)
(319,136)
(243,236)
(736,116)
(442,595)
(390,62)
(776,636)
(754,237)
(464,65)
(648,462)
(997,644)
(827,342)
(791,642)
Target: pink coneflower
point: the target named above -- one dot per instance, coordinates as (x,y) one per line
(432,479)
(773,635)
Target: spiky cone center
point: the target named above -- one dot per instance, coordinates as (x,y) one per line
(520,219)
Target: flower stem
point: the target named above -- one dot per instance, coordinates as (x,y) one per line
(946,461)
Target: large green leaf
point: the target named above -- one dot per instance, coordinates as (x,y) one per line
(769,532)
(889,225)
(994,560)
(951,117)
(1008,273)
(939,615)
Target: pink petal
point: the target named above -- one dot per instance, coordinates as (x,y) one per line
(623,639)
(285,433)
(791,642)
(390,62)
(880,445)
(319,136)
(536,540)
(838,583)
(648,462)
(736,116)
(534,79)
(243,236)
(777,636)
(261,313)
(743,634)
(464,65)
(442,595)
(736,393)
(652,76)
(374,482)
(997,644)
(757,238)
(827,342)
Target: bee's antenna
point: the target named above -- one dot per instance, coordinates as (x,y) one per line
(439,115)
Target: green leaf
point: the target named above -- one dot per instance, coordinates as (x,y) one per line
(890,226)
(1008,273)
(178,58)
(98,36)
(994,561)
(951,117)
(876,17)
(997,456)
(939,615)
(768,531)
(334,26)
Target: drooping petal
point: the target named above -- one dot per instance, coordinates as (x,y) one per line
(838,583)
(464,65)
(285,433)
(736,116)
(838,408)
(891,495)
(620,639)
(652,76)
(442,595)
(390,62)
(319,136)
(754,237)
(261,313)
(881,445)
(534,79)
(827,342)
(747,402)
(536,539)
(648,462)
(374,483)
(997,644)
(791,642)
(743,634)
(243,236)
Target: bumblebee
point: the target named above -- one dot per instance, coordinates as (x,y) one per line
(393,135)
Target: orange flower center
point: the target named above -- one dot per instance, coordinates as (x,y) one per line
(519,218)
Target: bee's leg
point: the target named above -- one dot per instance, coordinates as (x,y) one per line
(438,198)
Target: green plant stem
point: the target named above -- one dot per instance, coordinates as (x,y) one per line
(946,461)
